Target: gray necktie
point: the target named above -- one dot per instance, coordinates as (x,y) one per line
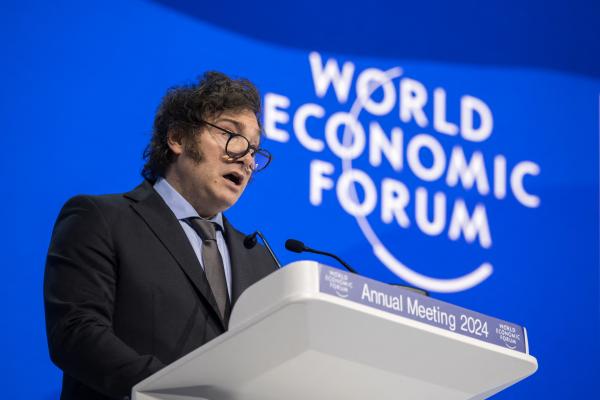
(212,261)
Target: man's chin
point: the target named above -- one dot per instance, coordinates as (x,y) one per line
(226,203)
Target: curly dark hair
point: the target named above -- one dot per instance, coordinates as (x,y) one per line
(184,107)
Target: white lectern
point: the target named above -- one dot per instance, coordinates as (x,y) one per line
(310,332)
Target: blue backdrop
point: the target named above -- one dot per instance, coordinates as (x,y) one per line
(454,148)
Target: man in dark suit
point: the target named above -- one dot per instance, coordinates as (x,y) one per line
(135,281)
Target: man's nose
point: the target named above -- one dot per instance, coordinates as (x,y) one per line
(248,161)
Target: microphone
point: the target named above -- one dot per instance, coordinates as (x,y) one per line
(298,247)
(250,242)
(294,245)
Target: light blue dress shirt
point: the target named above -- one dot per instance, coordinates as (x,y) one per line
(182,210)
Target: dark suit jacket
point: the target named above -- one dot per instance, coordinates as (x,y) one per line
(125,294)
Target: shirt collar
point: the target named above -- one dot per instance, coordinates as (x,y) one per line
(178,204)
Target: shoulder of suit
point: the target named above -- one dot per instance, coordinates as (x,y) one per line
(109,205)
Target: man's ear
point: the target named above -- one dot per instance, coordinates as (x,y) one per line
(175,142)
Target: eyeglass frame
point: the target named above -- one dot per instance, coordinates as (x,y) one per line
(250,148)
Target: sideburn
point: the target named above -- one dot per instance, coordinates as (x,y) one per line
(191,149)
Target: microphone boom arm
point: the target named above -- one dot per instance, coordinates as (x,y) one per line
(324,253)
(269,249)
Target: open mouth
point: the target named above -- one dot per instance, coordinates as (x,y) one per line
(235,178)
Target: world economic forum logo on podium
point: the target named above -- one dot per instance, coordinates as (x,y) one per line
(413,144)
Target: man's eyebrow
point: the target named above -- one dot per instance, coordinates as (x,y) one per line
(238,125)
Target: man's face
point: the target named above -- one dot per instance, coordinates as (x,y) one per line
(203,173)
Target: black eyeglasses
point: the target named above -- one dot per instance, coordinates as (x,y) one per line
(238,146)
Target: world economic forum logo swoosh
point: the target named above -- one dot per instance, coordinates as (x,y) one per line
(460,283)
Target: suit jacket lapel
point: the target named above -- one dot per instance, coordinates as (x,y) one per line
(157,215)
(241,264)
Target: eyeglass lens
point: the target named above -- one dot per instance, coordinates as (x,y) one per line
(238,146)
